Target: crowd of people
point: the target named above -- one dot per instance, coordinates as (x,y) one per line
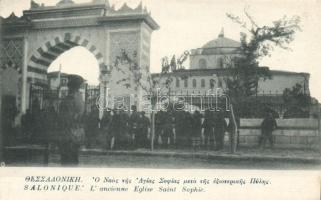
(121,130)
(69,127)
(173,129)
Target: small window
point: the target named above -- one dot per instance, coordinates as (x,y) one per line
(220,62)
(202,63)
(185,83)
(63,82)
(177,82)
(202,83)
(194,83)
(212,83)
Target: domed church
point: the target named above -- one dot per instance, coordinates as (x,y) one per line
(211,64)
(214,54)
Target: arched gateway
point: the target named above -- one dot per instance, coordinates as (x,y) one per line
(32,42)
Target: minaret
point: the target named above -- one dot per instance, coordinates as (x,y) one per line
(221,33)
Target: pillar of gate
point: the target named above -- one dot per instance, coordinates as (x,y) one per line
(1,132)
(24,85)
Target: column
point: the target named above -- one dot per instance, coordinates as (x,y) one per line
(24,78)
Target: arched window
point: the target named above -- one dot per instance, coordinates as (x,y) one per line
(202,83)
(212,83)
(177,82)
(185,83)
(194,83)
(220,63)
(202,63)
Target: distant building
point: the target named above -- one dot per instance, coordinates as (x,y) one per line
(215,54)
(59,81)
(57,85)
(212,63)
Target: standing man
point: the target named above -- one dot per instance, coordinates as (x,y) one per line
(105,127)
(71,111)
(179,128)
(196,130)
(159,125)
(267,127)
(134,126)
(219,130)
(124,127)
(208,129)
(188,128)
(91,127)
(144,125)
(168,135)
(115,129)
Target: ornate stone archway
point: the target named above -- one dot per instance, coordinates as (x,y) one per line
(42,57)
(45,32)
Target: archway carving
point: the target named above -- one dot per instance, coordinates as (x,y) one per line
(43,56)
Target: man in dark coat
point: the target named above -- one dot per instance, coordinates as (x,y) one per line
(159,126)
(50,129)
(91,127)
(105,127)
(116,130)
(188,128)
(196,130)
(179,128)
(267,127)
(219,130)
(71,111)
(168,134)
(208,127)
(141,137)
(134,121)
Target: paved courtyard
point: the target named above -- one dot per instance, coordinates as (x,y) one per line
(245,158)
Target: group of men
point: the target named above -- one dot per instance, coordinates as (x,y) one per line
(196,130)
(122,131)
(172,129)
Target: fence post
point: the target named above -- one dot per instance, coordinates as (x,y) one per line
(152,130)
(234,131)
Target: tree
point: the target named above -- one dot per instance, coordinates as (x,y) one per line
(296,101)
(138,77)
(257,41)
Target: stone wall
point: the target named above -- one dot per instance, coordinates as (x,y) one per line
(291,133)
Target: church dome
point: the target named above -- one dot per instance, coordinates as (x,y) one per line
(222,41)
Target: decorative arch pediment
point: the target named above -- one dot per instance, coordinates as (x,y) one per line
(42,57)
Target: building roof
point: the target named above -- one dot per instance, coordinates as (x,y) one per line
(100,9)
(224,72)
(222,41)
(56,73)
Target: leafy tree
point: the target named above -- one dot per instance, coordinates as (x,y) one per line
(296,101)
(138,78)
(257,41)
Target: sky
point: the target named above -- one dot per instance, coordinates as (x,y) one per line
(189,24)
